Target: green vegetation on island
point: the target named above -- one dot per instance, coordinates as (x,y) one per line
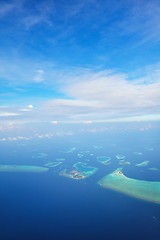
(80,171)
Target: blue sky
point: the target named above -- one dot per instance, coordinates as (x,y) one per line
(79,61)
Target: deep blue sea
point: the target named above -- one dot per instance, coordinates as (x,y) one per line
(52,207)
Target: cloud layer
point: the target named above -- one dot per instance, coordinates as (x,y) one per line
(97,97)
(102,97)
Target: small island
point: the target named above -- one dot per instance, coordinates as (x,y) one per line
(72,174)
(80,171)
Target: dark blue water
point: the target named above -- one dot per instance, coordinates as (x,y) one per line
(49,206)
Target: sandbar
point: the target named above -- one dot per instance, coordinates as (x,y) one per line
(22,168)
(149,148)
(153,169)
(69,150)
(52,164)
(138,153)
(142,164)
(60,159)
(97,147)
(122,162)
(120,156)
(40,155)
(144,190)
(107,163)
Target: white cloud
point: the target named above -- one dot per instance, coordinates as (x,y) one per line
(23,138)
(30,106)
(20,74)
(54,122)
(88,122)
(102,96)
(7,114)
(25,109)
(28,109)
(3,139)
(99,96)
(15,138)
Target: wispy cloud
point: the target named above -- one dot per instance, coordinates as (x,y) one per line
(138,22)
(42,13)
(144,19)
(19,71)
(140,19)
(28,109)
(39,76)
(8,114)
(7,7)
(29,17)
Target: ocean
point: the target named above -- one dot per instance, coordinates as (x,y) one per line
(46,205)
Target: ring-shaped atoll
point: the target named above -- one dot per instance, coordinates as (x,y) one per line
(103,159)
(120,157)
